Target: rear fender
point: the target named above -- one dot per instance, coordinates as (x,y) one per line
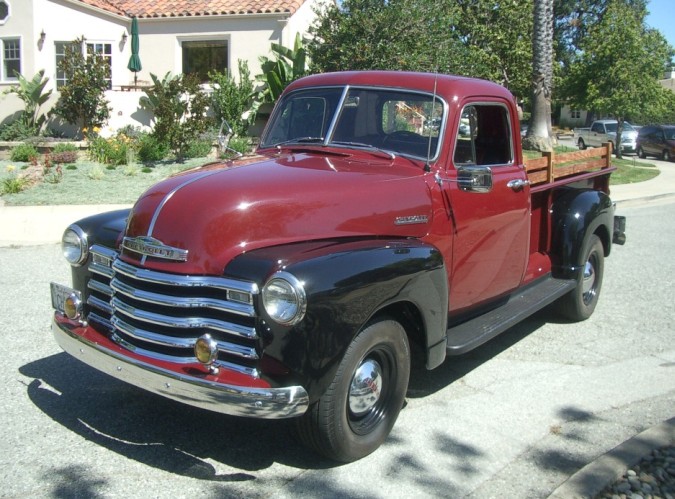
(576,215)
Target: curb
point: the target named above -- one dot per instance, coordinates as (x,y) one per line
(592,479)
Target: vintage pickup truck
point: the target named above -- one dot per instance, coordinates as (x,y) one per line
(603,131)
(387,218)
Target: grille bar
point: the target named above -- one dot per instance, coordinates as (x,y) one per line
(174,342)
(184,281)
(183,322)
(179,302)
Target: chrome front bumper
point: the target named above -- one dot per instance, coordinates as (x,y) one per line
(266,403)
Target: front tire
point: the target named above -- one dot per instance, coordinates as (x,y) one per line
(666,156)
(358,410)
(579,304)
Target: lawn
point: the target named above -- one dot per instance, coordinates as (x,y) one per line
(87,182)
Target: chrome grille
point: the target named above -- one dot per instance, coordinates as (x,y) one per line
(162,315)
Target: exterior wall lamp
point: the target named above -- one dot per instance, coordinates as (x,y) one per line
(43,35)
(124,37)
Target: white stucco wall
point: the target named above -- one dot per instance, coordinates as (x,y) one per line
(248,36)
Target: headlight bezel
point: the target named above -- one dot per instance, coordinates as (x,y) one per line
(292,310)
(76,250)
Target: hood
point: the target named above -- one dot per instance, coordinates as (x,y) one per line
(220,211)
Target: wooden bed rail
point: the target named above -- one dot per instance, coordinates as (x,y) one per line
(550,166)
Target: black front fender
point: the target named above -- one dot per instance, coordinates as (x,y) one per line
(576,215)
(347,284)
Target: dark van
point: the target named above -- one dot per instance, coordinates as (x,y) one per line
(657,140)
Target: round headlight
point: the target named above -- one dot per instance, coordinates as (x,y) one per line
(75,246)
(284,299)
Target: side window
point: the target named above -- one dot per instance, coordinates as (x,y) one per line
(484,136)
(597,127)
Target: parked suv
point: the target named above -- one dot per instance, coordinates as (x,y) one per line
(657,140)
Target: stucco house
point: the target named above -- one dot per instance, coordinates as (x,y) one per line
(177,36)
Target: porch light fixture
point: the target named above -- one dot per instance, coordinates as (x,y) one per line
(124,36)
(43,35)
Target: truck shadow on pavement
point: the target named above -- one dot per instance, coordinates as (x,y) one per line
(197,443)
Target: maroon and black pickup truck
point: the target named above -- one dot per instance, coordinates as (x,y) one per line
(386,217)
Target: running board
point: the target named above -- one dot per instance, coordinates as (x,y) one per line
(520,305)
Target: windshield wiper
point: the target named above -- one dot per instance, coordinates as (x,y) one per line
(300,140)
(363,145)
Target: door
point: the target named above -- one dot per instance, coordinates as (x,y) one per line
(490,203)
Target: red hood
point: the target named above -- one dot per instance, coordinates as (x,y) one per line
(221,211)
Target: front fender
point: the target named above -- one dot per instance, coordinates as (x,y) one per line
(577,214)
(347,284)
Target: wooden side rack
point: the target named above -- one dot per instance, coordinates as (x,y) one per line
(551,167)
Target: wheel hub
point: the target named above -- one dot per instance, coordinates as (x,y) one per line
(589,280)
(366,387)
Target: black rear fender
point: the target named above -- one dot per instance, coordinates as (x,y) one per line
(576,215)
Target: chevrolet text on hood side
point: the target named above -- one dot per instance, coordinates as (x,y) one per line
(383,213)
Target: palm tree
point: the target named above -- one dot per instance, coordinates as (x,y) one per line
(539,133)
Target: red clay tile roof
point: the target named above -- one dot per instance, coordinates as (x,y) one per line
(193,8)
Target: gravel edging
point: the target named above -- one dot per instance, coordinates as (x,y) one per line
(609,469)
(653,477)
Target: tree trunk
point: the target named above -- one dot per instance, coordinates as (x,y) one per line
(540,133)
(619,132)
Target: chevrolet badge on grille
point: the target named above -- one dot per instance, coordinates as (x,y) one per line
(153,247)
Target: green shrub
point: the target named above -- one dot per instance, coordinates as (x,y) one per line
(14,185)
(150,149)
(198,149)
(65,147)
(229,99)
(24,152)
(242,145)
(17,130)
(112,151)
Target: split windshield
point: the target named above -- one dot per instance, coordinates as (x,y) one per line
(392,121)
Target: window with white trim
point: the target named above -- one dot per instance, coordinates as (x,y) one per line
(10,55)
(202,56)
(103,49)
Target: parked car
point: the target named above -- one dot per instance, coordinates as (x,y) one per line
(657,140)
(602,131)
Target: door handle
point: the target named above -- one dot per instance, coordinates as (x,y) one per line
(517,184)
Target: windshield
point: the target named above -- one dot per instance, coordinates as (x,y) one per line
(669,133)
(611,127)
(380,119)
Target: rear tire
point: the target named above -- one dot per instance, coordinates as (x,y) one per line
(582,144)
(641,153)
(579,304)
(666,156)
(359,408)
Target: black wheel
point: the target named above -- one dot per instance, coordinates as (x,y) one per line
(579,304)
(666,156)
(641,152)
(582,144)
(357,411)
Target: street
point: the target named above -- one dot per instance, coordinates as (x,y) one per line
(514,418)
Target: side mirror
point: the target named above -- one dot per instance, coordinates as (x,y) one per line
(474,178)
(224,135)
